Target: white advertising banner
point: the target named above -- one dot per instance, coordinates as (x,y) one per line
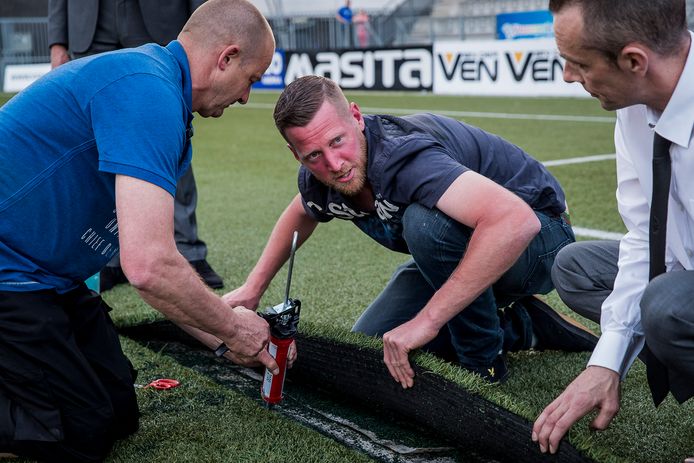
(407,68)
(20,76)
(529,67)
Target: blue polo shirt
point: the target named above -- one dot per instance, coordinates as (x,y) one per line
(415,159)
(63,140)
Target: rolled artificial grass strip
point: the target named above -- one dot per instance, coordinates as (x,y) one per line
(463,418)
(356,371)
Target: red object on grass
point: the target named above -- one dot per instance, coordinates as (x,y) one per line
(163,383)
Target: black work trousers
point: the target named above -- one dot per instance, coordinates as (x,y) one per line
(66,388)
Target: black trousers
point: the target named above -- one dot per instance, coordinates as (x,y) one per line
(66,388)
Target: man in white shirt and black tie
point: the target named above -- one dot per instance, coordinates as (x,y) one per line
(635,57)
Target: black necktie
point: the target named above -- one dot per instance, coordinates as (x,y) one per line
(661,190)
(656,371)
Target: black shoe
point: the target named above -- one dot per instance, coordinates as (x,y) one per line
(554,331)
(110,277)
(208,275)
(495,373)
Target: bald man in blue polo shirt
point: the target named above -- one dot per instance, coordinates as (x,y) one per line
(88,166)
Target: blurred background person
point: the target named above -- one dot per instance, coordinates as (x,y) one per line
(361,25)
(344,17)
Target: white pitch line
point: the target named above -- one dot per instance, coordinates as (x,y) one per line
(580,231)
(490,115)
(580,160)
(556,162)
(475,114)
(599,234)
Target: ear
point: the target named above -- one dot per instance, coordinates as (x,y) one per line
(227,55)
(634,58)
(296,155)
(357,115)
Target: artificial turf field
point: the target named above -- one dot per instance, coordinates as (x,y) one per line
(246,177)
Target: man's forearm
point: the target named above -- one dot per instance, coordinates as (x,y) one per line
(172,287)
(277,249)
(492,250)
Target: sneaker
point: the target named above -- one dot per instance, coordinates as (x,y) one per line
(495,373)
(208,275)
(554,331)
(110,277)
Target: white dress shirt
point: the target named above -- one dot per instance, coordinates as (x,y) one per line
(622,335)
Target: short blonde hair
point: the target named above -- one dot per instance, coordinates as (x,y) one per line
(301,100)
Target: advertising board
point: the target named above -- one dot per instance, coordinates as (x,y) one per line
(530,67)
(408,68)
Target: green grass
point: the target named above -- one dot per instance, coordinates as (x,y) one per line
(202,421)
(246,176)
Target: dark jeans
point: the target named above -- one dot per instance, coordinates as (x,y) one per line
(66,388)
(477,334)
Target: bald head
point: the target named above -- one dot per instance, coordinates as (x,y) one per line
(218,23)
(229,45)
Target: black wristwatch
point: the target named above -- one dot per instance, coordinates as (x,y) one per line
(221,350)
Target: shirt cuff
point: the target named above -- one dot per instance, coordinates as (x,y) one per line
(616,352)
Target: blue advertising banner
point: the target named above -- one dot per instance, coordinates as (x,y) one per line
(524,25)
(274,75)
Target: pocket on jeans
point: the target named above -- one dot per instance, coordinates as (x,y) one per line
(539,279)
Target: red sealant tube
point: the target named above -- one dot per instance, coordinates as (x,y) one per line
(273,385)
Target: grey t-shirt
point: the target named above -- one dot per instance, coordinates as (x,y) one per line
(414,159)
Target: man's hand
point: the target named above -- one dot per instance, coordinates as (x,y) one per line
(248,344)
(398,342)
(59,55)
(292,354)
(242,296)
(595,388)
